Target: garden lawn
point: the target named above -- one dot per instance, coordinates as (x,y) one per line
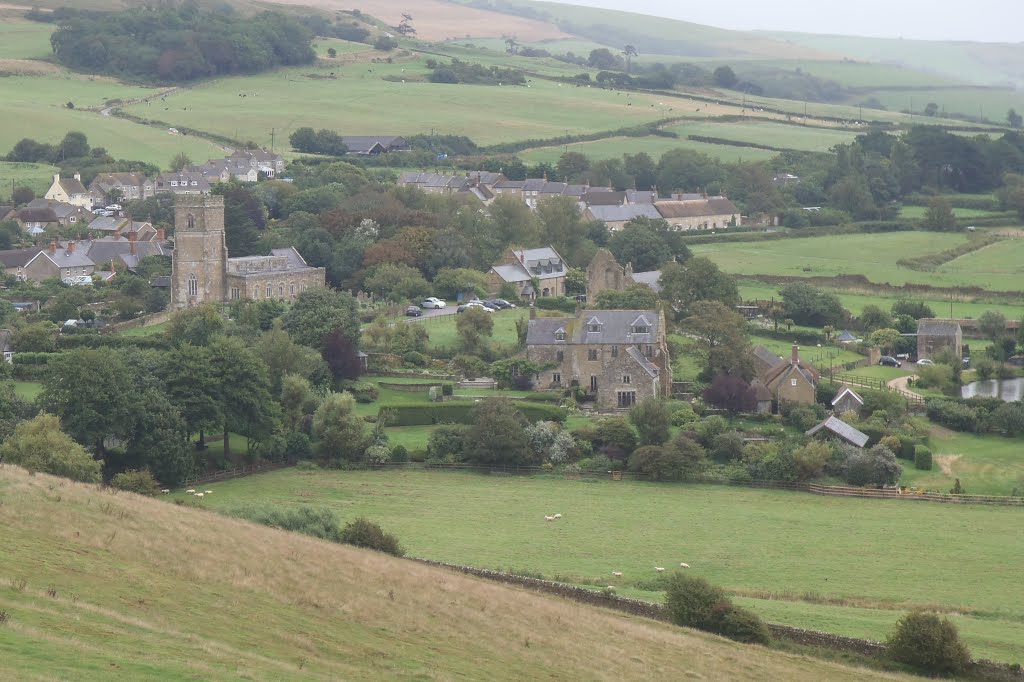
(151,330)
(821,357)
(444,334)
(987,464)
(864,553)
(883,373)
(28,390)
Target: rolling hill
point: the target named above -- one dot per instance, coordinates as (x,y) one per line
(96,584)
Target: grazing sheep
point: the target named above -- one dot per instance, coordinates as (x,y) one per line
(682,565)
(165,491)
(190,491)
(199,494)
(558,516)
(610,587)
(659,569)
(549,518)
(208,491)
(617,574)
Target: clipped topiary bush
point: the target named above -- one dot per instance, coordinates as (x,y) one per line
(929,643)
(922,458)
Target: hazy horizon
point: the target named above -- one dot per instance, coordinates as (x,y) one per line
(988,20)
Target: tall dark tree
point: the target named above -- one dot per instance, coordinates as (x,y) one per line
(244,389)
(342,355)
(731,393)
(318,312)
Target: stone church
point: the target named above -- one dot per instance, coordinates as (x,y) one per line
(202,272)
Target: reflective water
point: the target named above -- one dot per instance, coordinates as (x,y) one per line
(1007,389)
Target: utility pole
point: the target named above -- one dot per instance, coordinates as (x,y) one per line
(271,140)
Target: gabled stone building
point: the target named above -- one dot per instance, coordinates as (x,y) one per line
(620,357)
(935,336)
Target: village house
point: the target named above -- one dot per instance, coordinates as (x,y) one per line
(619,357)
(184,182)
(268,163)
(202,272)
(107,227)
(936,336)
(372,145)
(69,191)
(58,260)
(847,400)
(65,214)
(791,381)
(226,170)
(616,217)
(702,213)
(520,267)
(15,260)
(123,186)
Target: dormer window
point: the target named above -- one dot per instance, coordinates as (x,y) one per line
(560,335)
(594,325)
(641,329)
(641,325)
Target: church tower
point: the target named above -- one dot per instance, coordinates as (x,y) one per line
(199,265)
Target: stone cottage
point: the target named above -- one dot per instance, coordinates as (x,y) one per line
(935,336)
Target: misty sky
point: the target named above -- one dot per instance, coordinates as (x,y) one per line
(980,20)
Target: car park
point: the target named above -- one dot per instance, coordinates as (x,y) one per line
(433,302)
(889,361)
(413,311)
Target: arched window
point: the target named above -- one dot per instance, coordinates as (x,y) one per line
(270,291)
(193,286)
(190,222)
(291,289)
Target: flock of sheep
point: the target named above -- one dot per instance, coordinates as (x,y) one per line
(191,491)
(617,574)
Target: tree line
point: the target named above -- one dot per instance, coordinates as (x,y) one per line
(178,44)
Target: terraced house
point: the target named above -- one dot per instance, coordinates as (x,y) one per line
(619,357)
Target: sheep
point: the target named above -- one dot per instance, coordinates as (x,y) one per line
(549,518)
(165,491)
(207,491)
(617,574)
(558,516)
(190,491)
(682,565)
(199,494)
(659,569)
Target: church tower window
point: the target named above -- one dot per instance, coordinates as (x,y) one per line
(193,285)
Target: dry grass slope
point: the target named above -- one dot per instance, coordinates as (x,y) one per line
(98,584)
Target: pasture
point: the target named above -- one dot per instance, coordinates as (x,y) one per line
(25,39)
(96,585)
(874,256)
(985,464)
(37,176)
(780,135)
(653,146)
(799,549)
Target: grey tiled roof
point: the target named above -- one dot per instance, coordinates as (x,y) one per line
(847,391)
(842,429)
(766,356)
(512,272)
(937,327)
(697,208)
(626,212)
(647,365)
(651,278)
(615,326)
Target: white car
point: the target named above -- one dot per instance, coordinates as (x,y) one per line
(114,207)
(433,303)
(926,362)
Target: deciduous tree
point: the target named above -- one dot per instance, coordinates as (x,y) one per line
(41,445)
(719,339)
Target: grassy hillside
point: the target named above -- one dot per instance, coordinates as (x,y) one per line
(773,547)
(98,585)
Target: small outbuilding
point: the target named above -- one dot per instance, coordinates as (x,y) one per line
(847,400)
(936,336)
(835,427)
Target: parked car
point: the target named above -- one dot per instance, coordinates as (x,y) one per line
(889,361)
(114,207)
(432,302)
(104,213)
(473,304)
(413,311)
(926,362)
(501,303)
(490,305)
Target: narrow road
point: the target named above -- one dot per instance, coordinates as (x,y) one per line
(900,384)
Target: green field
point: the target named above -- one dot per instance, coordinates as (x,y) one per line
(443,333)
(27,390)
(821,356)
(24,39)
(918,212)
(985,465)
(37,176)
(991,104)
(781,135)
(873,255)
(654,146)
(800,548)
(100,585)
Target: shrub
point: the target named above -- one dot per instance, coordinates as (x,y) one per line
(744,626)
(598,464)
(694,602)
(726,447)
(709,427)
(660,463)
(929,643)
(365,533)
(297,446)
(682,414)
(922,458)
(447,389)
(318,522)
(136,481)
(953,415)
(877,466)
(363,391)
(378,454)
(802,418)
(562,303)
(399,454)
(446,443)
(416,359)
(809,461)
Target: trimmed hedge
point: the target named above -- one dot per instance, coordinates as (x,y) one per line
(562,303)
(460,412)
(73,341)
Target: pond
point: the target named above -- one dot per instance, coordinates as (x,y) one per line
(1008,390)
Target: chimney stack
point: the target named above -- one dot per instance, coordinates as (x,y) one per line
(78,176)
(71,247)
(796,354)
(160,236)
(56,177)
(53,246)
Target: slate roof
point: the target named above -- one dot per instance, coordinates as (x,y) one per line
(108,249)
(510,184)
(847,391)
(59,208)
(647,365)
(163,183)
(295,259)
(651,278)
(635,196)
(936,327)
(615,328)
(512,272)
(37,215)
(766,356)
(697,208)
(596,197)
(364,144)
(66,259)
(17,258)
(106,181)
(72,186)
(623,213)
(840,428)
(846,337)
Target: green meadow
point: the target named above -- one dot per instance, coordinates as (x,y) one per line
(778,549)
(654,146)
(37,176)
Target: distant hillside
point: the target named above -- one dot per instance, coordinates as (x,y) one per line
(97,585)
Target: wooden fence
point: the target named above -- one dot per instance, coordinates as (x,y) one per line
(234,472)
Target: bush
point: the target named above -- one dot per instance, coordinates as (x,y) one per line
(693,602)
(744,626)
(562,303)
(136,481)
(365,533)
(399,454)
(297,446)
(318,522)
(802,418)
(378,454)
(953,415)
(877,466)
(445,444)
(709,427)
(922,458)
(460,412)
(682,414)
(363,391)
(660,463)
(929,643)
(416,359)
(726,447)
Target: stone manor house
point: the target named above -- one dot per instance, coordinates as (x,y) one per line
(202,272)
